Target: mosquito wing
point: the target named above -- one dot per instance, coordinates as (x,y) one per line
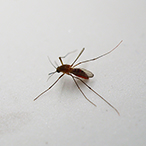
(82,73)
(89,73)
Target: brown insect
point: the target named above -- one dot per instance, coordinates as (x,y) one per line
(79,73)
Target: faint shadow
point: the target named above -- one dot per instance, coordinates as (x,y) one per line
(12,122)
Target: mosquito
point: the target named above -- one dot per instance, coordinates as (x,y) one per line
(79,74)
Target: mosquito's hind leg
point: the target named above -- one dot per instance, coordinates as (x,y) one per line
(98,95)
(81,90)
(98,56)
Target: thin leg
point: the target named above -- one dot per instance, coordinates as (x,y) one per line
(98,95)
(78,56)
(81,90)
(98,56)
(48,88)
(65,56)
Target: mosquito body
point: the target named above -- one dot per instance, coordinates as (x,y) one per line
(78,73)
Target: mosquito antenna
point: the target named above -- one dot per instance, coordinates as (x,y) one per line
(81,90)
(98,95)
(50,75)
(78,56)
(51,62)
(98,56)
(49,87)
(56,63)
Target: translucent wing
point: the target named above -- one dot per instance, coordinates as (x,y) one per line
(82,73)
(89,74)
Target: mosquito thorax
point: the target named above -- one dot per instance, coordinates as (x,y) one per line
(65,68)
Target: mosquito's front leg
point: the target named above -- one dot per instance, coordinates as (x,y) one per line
(61,60)
(65,56)
(48,88)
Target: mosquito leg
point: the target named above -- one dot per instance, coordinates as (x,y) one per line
(78,57)
(98,56)
(48,88)
(81,90)
(60,58)
(98,95)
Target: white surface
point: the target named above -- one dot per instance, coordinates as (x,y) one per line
(32,30)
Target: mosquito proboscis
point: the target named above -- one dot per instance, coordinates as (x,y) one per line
(78,73)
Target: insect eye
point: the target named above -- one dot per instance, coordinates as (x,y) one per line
(57,70)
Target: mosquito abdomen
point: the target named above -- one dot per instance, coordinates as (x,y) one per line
(80,73)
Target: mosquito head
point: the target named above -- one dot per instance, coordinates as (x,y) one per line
(58,69)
